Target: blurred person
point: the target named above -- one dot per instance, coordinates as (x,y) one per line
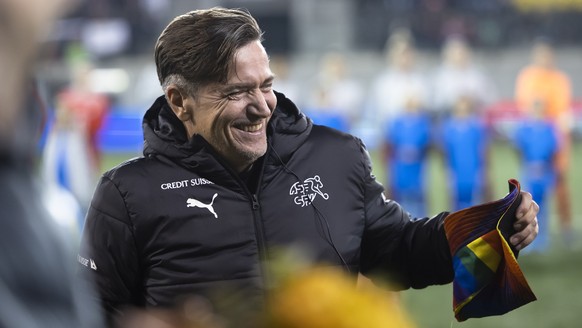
(536,141)
(465,148)
(68,162)
(85,108)
(400,81)
(543,83)
(71,156)
(335,91)
(458,76)
(281,67)
(407,140)
(233,171)
(38,287)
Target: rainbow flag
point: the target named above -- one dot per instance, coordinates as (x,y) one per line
(488,280)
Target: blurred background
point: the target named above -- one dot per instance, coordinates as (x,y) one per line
(409,77)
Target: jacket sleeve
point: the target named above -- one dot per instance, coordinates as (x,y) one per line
(410,252)
(108,255)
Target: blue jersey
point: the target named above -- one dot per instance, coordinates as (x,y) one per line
(537,142)
(409,136)
(464,141)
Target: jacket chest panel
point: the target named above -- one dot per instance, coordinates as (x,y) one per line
(314,211)
(195,231)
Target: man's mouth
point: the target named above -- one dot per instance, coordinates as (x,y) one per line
(250,127)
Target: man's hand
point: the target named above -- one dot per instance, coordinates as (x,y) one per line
(526,224)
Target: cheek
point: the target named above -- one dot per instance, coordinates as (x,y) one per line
(222,123)
(271,100)
(216,116)
(220,126)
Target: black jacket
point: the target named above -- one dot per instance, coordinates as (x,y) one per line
(178,220)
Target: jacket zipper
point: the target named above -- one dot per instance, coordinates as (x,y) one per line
(259,229)
(260,233)
(255,206)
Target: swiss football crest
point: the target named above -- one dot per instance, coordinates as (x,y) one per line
(305,192)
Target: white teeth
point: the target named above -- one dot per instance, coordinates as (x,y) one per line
(252,128)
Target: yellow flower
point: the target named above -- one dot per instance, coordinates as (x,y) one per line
(327,298)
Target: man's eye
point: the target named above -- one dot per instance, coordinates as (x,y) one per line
(267,88)
(234,95)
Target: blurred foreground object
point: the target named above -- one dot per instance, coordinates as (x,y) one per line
(38,287)
(37,283)
(324,297)
(24,23)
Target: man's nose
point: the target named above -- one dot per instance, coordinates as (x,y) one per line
(260,105)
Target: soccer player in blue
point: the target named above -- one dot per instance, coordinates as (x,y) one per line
(537,143)
(407,140)
(464,142)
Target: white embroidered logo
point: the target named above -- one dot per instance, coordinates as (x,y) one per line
(87,262)
(191,202)
(306,191)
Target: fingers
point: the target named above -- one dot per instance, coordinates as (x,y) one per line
(526,224)
(525,205)
(526,212)
(526,236)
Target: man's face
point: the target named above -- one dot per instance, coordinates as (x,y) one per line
(233,116)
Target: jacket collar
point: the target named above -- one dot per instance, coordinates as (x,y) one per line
(288,128)
(164,134)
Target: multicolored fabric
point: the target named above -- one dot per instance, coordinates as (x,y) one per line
(488,280)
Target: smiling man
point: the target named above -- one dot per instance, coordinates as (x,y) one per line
(232,115)
(271,178)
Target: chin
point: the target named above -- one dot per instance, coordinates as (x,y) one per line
(252,154)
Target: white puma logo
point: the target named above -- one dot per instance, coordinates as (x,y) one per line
(191,202)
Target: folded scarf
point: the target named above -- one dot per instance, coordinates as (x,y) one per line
(488,280)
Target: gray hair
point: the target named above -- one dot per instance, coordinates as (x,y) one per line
(181,83)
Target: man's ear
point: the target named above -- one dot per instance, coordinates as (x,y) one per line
(177,101)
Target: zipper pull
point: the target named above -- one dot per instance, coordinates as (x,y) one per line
(255,202)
